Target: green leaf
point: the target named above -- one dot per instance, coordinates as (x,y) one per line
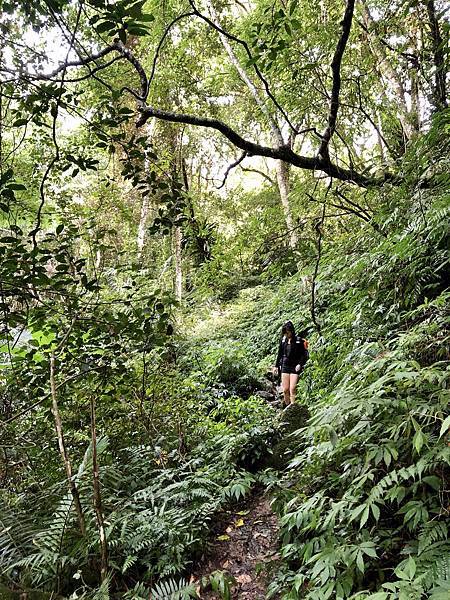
(418,440)
(293,6)
(122,37)
(8,174)
(445,426)
(360,562)
(135,9)
(146,18)
(106,26)
(252,61)
(375,511)
(370,551)
(364,517)
(433,482)
(139,31)
(406,570)
(411,567)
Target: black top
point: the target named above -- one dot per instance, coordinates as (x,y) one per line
(292,354)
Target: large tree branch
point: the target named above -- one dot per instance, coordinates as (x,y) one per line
(336,71)
(283,153)
(126,53)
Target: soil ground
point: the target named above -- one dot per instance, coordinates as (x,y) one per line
(244,545)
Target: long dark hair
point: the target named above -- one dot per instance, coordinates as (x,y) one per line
(288,326)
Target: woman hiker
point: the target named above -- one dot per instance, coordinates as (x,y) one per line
(292,355)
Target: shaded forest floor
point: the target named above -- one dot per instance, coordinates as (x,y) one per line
(243,545)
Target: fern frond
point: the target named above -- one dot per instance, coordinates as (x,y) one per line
(432,532)
(172,589)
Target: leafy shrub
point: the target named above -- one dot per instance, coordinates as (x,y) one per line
(158,503)
(364,504)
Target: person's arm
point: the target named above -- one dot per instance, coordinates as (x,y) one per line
(279,356)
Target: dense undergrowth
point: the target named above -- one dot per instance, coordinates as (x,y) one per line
(364,502)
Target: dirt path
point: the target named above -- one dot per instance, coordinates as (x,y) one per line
(244,545)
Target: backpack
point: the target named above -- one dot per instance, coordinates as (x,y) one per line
(305,347)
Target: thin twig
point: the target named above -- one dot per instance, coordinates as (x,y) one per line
(232,166)
(161,42)
(319,226)
(246,47)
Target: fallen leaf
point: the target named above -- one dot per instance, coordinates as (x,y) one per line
(244,578)
(239,523)
(260,533)
(275,556)
(223,538)
(242,513)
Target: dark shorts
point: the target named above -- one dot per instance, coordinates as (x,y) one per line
(287,368)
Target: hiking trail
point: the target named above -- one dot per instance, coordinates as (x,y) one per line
(243,544)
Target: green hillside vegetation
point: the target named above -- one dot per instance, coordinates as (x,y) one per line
(142,300)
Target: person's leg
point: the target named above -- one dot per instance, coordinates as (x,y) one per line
(293,380)
(285,382)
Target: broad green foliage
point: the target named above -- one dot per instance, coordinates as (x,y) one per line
(158,500)
(367,507)
(373,468)
(155,401)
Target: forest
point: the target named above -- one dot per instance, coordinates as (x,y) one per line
(178,179)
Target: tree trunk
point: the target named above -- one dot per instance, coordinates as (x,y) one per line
(63,450)
(390,74)
(178,266)
(142,228)
(439,87)
(97,497)
(145,206)
(415,99)
(277,137)
(380,140)
(98,259)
